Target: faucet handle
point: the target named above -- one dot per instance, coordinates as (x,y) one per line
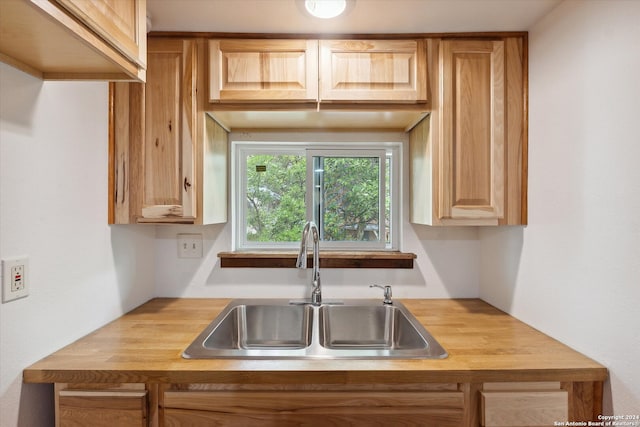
(387,293)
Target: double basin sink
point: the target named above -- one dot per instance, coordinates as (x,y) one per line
(281,329)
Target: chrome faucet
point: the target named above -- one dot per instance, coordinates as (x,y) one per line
(316,294)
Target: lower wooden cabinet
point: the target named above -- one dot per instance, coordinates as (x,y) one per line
(523,404)
(417,404)
(121,405)
(310,407)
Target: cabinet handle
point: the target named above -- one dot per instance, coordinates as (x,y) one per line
(124,179)
(186,184)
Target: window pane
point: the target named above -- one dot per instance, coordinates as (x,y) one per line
(347,198)
(275,210)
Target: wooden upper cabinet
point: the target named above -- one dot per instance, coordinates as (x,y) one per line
(468,158)
(373,71)
(473,131)
(170,107)
(304,71)
(75,39)
(121,23)
(153,128)
(263,70)
(168,158)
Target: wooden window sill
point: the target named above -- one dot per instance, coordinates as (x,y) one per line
(328,259)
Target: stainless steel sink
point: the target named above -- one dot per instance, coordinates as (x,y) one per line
(368,326)
(280,329)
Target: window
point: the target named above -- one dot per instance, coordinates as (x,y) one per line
(349,190)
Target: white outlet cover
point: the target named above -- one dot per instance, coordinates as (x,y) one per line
(15,264)
(189,245)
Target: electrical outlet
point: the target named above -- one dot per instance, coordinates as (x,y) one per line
(15,278)
(189,245)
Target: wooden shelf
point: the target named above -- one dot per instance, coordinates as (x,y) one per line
(328,259)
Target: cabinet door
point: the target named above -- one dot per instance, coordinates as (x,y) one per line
(170,127)
(373,71)
(263,70)
(523,404)
(472,159)
(121,23)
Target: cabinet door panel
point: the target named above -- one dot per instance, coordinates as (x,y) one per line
(373,70)
(328,418)
(263,70)
(524,408)
(162,141)
(169,137)
(473,154)
(322,408)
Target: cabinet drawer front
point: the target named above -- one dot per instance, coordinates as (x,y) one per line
(523,408)
(102,408)
(373,70)
(326,408)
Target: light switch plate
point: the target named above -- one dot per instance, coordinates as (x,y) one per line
(15,278)
(189,245)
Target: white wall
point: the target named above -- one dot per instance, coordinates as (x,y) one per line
(446,267)
(53,205)
(574,272)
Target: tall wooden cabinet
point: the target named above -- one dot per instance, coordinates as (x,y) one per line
(170,131)
(468,157)
(167,153)
(75,39)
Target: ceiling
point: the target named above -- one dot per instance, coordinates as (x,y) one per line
(363,16)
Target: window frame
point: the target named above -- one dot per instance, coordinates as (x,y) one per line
(242,148)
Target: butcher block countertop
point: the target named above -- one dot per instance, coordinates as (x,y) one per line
(145,346)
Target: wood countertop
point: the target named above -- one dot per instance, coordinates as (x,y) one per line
(145,346)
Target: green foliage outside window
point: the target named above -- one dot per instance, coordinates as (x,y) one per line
(350,198)
(276,197)
(349,194)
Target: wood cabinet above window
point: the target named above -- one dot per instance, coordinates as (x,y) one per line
(75,39)
(373,71)
(263,70)
(311,71)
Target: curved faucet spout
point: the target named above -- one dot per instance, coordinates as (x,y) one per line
(301,262)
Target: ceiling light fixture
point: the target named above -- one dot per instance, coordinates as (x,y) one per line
(325,9)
